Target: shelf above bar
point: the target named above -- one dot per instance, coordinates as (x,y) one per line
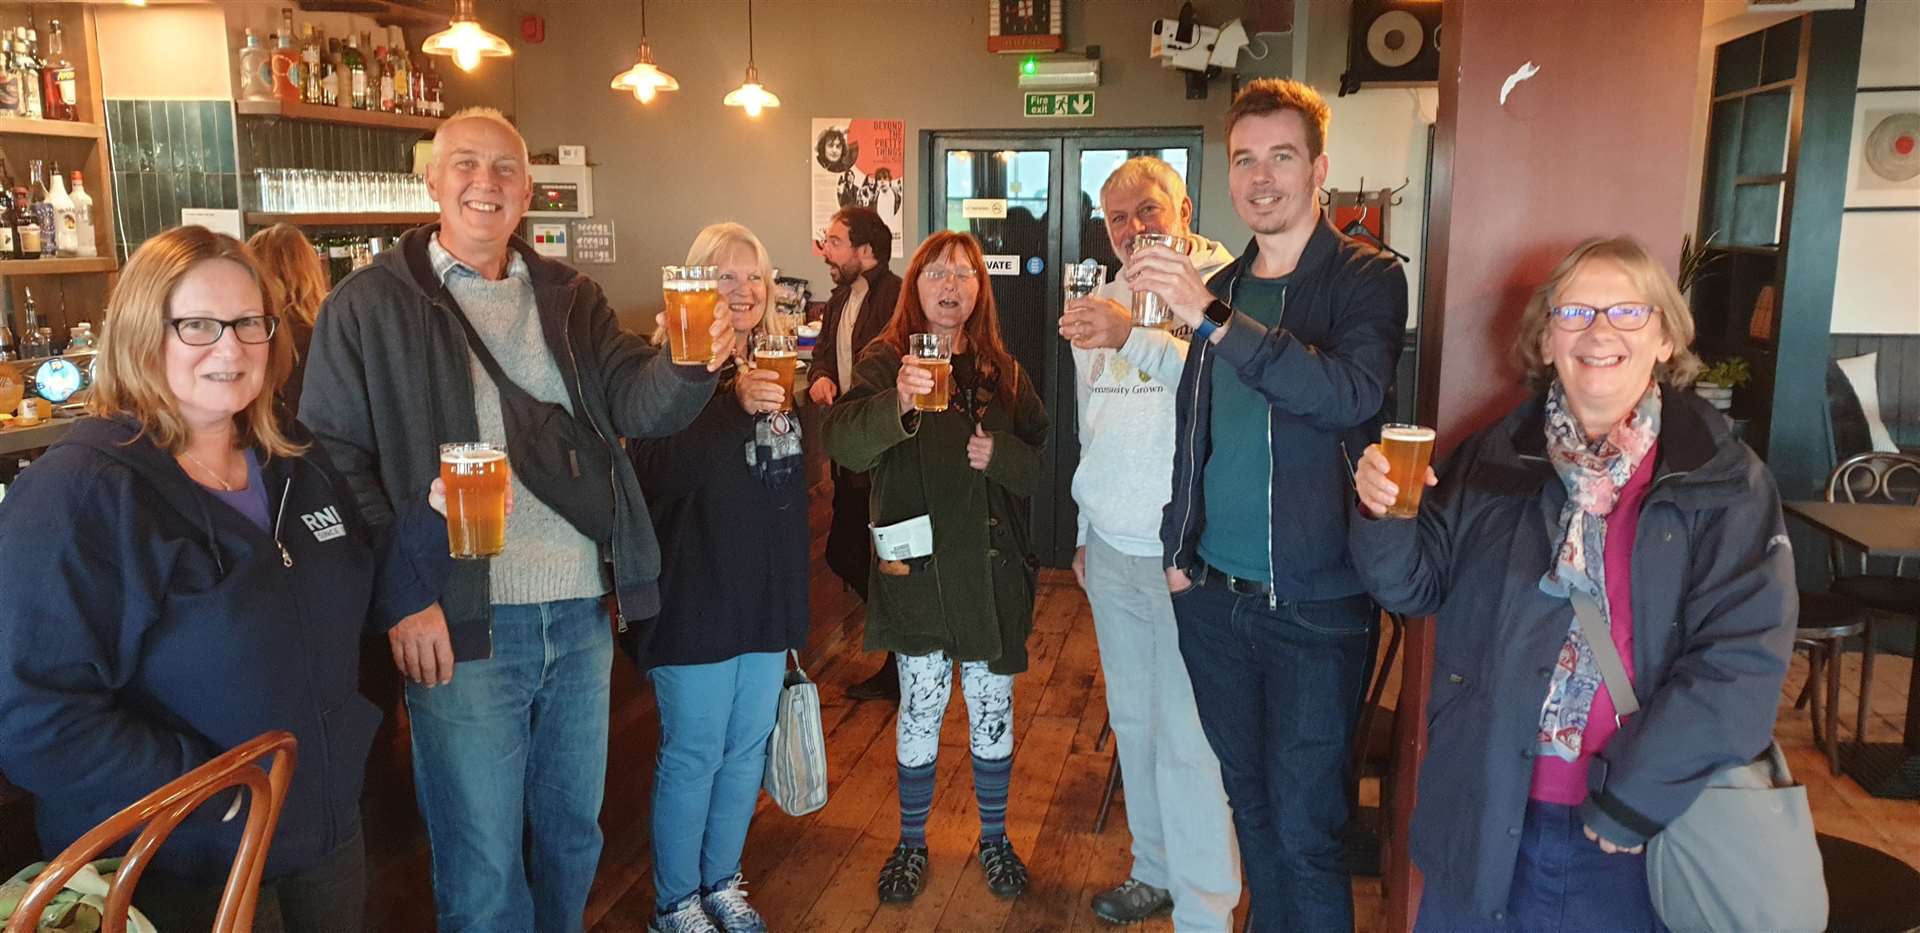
(384,12)
(321,113)
(21,126)
(58,266)
(323,219)
(17,440)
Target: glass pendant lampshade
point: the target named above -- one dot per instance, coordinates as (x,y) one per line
(751,96)
(464,40)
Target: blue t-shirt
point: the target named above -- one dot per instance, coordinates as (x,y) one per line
(251,501)
(1234,535)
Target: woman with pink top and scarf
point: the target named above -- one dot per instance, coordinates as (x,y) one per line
(1536,799)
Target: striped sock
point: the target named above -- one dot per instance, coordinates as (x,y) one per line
(916,801)
(990,779)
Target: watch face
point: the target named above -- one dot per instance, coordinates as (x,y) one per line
(56,380)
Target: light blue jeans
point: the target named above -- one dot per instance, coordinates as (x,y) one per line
(715,720)
(517,740)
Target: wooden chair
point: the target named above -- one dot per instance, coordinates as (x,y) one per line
(1826,622)
(163,810)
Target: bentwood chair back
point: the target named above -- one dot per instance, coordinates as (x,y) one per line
(163,810)
(1878,477)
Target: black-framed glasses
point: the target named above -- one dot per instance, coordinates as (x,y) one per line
(206,331)
(1625,316)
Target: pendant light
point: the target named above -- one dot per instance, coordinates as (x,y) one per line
(750,96)
(644,79)
(465,40)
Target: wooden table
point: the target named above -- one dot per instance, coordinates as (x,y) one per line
(1884,769)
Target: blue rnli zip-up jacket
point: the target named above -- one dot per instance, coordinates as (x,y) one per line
(1325,373)
(146,627)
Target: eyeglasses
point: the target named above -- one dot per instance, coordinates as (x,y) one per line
(1575,318)
(938,274)
(207,331)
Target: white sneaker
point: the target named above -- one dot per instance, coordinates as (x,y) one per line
(729,906)
(687,917)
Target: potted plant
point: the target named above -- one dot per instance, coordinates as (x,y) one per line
(1717,382)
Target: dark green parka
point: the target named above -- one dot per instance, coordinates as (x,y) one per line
(973,598)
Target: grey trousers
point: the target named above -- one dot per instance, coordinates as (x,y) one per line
(1182,828)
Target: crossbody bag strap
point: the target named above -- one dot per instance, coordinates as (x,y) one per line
(1606,654)
(480,352)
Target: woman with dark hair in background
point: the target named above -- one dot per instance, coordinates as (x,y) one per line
(971,469)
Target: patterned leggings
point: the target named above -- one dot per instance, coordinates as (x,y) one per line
(926,684)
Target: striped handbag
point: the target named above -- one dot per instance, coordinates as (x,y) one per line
(797,754)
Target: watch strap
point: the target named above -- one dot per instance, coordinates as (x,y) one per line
(1204,330)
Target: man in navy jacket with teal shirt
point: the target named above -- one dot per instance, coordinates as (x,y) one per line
(1294,349)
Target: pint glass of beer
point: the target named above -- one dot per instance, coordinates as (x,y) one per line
(1408,448)
(934,353)
(693,295)
(777,352)
(1149,309)
(476,476)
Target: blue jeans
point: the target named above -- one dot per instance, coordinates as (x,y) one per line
(1278,691)
(1562,883)
(714,723)
(517,740)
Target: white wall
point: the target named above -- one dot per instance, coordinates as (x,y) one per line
(163,53)
(1877,285)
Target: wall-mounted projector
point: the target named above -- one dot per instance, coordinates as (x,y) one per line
(1185,44)
(1066,72)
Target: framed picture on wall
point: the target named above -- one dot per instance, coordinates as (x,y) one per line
(1884,170)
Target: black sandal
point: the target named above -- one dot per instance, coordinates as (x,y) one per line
(1006,874)
(900,877)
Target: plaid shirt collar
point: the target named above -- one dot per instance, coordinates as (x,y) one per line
(445,265)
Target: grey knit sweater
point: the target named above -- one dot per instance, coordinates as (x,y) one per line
(546,557)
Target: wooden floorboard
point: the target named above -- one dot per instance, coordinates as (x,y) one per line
(816,872)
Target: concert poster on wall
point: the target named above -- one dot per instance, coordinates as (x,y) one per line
(860,163)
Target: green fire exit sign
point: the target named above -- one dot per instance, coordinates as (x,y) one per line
(1047,104)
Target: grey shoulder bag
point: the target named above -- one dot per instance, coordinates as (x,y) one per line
(1743,856)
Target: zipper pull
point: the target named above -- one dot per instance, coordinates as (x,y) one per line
(286,559)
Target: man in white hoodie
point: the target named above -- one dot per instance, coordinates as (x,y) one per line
(1125,376)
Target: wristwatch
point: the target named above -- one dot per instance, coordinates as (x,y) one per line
(1213,318)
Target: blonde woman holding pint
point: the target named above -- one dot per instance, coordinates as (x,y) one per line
(729,503)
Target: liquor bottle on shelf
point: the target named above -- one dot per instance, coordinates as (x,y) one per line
(286,61)
(370,57)
(10,99)
(42,208)
(66,226)
(34,340)
(84,231)
(356,66)
(9,231)
(402,69)
(309,64)
(27,68)
(59,89)
(256,70)
(26,229)
(436,107)
(330,73)
(385,57)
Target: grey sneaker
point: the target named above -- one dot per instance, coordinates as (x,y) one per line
(688,916)
(1131,902)
(728,905)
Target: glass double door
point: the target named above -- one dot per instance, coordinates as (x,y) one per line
(1033,202)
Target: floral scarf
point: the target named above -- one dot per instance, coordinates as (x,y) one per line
(1594,473)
